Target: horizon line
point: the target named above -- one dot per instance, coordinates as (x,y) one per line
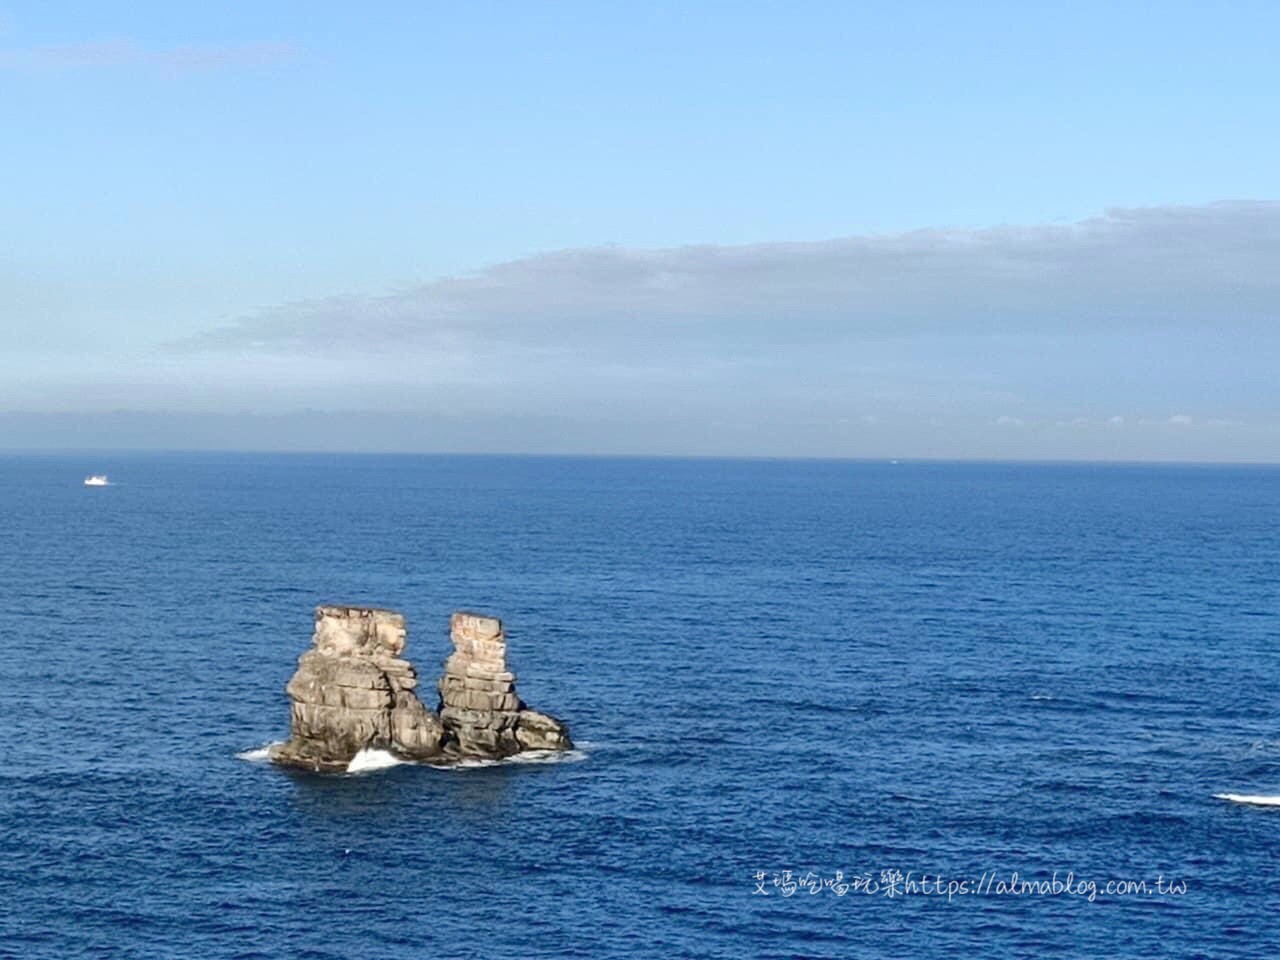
(710,457)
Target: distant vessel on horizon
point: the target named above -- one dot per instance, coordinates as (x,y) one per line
(96,480)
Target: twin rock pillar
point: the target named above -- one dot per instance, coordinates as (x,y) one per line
(352,691)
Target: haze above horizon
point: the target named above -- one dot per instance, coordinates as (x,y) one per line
(917,230)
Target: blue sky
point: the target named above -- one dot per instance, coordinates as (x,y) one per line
(856,229)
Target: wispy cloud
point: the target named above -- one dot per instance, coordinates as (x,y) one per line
(1158,268)
(114,53)
(1137,334)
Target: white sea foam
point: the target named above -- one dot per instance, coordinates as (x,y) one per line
(1253,799)
(469,763)
(548,756)
(372,759)
(525,756)
(258,754)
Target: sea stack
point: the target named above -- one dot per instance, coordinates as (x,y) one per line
(353,691)
(480,710)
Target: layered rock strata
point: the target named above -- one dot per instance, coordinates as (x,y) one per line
(479,707)
(353,691)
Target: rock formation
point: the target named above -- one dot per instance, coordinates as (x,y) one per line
(479,707)
(353,691)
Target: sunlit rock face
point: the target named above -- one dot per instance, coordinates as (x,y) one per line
(479,707)
(353,691)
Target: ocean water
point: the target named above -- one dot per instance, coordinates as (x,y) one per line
(797,688)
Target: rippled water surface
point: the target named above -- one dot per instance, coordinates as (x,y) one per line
(816,667)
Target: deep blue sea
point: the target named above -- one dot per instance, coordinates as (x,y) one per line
(865,674)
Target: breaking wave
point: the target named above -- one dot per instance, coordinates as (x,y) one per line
(372,759)
(1253,799)
(258,754)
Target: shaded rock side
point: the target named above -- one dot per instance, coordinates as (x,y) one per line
(481,713)
(352,690)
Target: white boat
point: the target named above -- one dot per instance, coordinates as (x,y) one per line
(97,480)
